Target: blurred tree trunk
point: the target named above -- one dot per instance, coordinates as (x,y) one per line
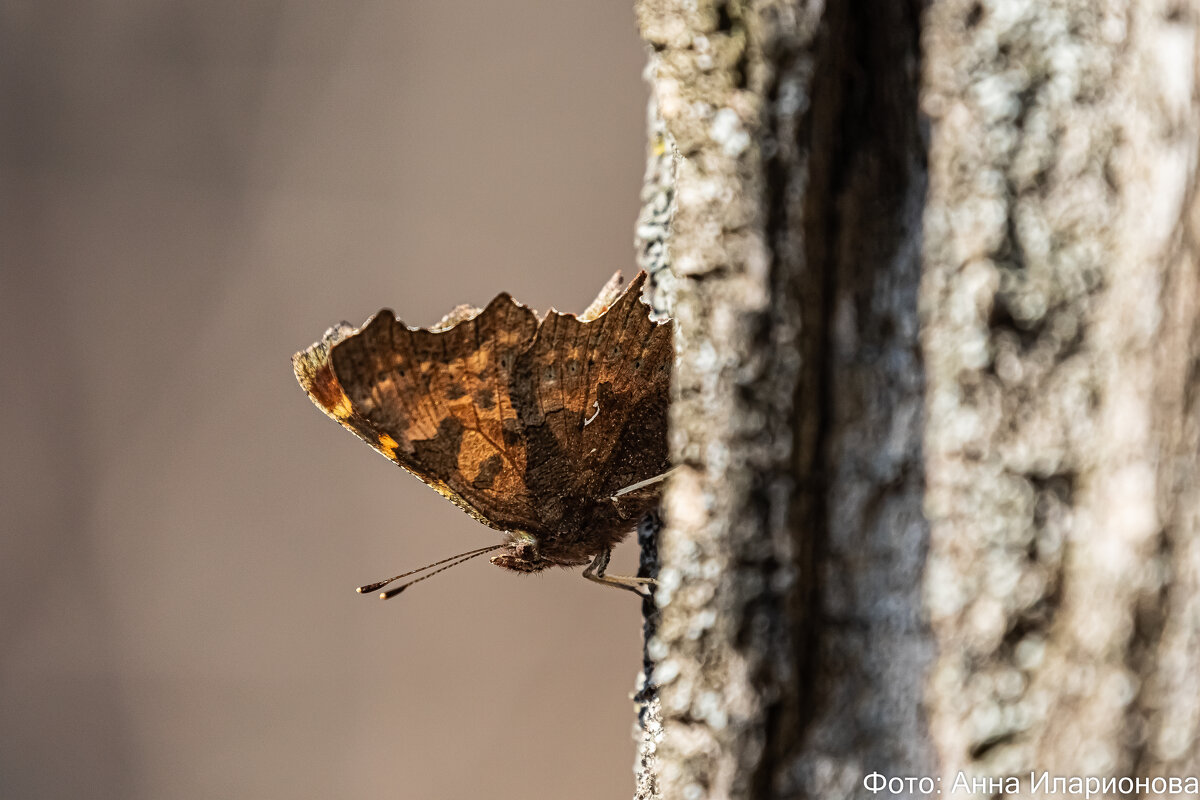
(937,403)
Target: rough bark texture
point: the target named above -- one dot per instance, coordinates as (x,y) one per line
(936,407)
(726,659)
(1060,312)
(790,651)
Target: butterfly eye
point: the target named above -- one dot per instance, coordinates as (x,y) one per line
(549,373)
(637,364)
(573,366)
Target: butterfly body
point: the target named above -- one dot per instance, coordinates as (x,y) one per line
(536,426)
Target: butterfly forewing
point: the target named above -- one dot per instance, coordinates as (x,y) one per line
(424,391)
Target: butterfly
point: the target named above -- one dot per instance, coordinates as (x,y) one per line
(550,428)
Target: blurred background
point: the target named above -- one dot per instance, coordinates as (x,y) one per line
(190,192)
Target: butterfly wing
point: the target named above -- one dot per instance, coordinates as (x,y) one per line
(435,402)
(526,425)
(592,396)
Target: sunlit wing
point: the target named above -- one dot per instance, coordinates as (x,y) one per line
(592,398)
(435,402)
(518,421)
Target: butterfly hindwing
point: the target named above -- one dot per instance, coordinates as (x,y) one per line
(592,397)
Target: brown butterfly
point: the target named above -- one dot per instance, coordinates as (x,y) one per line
(551,429)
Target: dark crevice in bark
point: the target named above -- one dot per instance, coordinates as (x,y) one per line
(1191,386)
(1032,334)
(974,15)
(820,135)
(860,135)
(866,180)
(1037,619)
(646,698)
(1026,102)
(1011,253)
(799,278)
(725,20)
(981,749)
(1056,487)
(1054,495)
(1002,319)
(1150,612)
(647,531)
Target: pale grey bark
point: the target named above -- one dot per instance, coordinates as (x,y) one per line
(937,426)
(722,648)
(1060,305)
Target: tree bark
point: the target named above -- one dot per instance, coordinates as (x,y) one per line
(935,414)
(1061,339)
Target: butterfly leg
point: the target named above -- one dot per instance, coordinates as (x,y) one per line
(642,587)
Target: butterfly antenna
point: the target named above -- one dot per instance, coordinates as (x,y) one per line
(458,559)
(390,593)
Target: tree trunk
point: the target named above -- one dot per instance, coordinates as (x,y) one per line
(936,410)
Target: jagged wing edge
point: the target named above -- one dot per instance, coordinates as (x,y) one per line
(314,372)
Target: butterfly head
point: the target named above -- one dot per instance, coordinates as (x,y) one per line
(520,554)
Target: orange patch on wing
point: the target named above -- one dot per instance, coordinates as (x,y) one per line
(479,359)
(474,450)
(506,338)
(316,376)
(341,409)
(388,445)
